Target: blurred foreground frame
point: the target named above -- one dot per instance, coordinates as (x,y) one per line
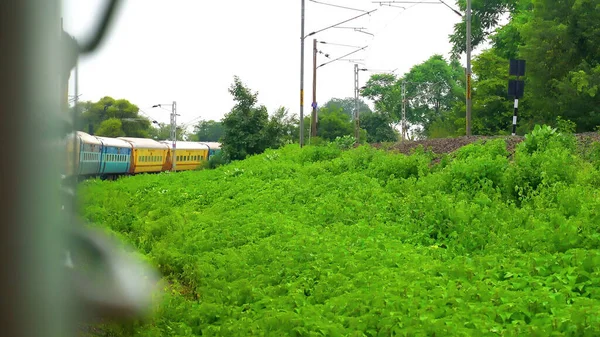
(56,272)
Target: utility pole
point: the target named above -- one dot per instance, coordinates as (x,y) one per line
(313,126)
(174,134)
(356,112)
(302,37)
(468,19)
(404,133)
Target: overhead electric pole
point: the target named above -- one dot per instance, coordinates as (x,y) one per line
(302,37)
(313,126)
(356,112)
(174,134)
(468,103)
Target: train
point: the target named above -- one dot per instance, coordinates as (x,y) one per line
(111,158)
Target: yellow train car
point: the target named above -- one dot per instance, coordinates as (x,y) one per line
(147,156)
(188,155)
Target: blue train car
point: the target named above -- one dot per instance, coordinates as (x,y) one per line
(214,148)
(90,149)
(115,158)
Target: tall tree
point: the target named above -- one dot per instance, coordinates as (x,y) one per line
(163,132)
(561,43)
(492,110)
(95,113)
(111,127)
(209,131)
(385,91)
(432,88)
(247,127)
(378,127)
(334,123)
(485,18)
(282,128)
(347,105)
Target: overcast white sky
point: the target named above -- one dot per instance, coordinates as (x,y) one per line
(189,50)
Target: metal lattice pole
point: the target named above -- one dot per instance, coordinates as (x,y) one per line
(174,134)
(356,112)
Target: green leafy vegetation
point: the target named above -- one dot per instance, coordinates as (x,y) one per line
(322,241)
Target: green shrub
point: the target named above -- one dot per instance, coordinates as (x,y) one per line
(363,242)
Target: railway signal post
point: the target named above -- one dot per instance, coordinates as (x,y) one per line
(516,88)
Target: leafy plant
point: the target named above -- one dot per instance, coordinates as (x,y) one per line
(363,242)
(344,142)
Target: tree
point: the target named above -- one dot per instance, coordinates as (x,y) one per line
(334,123)
(247,127)
(95,113)
(347,105)
(485,17)
(385,91)
(433,88)
(163,132)
(561,45)
(282,128)
(111,127)
(208,131)
(378,127)
(492,110)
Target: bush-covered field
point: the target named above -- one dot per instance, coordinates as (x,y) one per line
(325,242)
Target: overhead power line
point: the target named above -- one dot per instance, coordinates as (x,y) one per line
(337,24)
(452,9)
(390,5)
(338,6)
(407,2)
(341,57)
(356,29)
(337,44)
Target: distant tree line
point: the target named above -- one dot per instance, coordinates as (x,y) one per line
(247,129)
(559,40)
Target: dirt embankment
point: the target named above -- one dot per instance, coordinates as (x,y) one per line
(449,145)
